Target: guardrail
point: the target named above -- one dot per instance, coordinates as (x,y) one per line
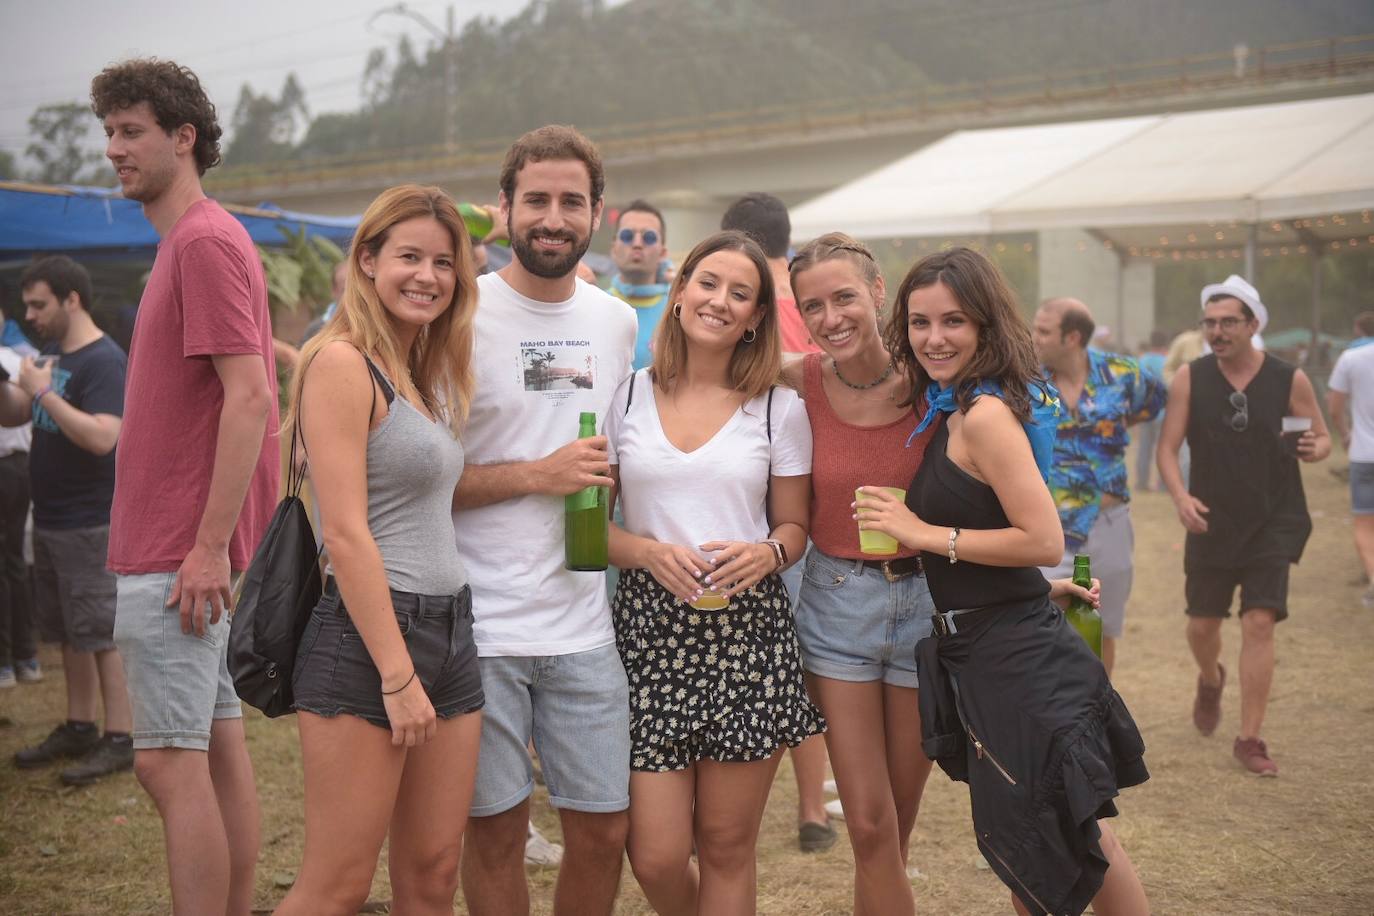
(1269,66)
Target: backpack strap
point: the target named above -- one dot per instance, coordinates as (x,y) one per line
(388,393)
(630,394)
(768,413)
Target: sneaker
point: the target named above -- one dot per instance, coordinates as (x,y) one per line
(28,670)
(830,786)
(816,837)
(1254,756)
(1207,704)
(835,809)
(1368,599)
(7,678)
(539,851)
(61,742)
(108,756)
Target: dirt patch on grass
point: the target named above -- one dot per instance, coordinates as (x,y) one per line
(1207,838)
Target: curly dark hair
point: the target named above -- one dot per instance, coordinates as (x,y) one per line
(1005,352)
(172,91)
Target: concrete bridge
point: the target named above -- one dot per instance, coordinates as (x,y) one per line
(692,168)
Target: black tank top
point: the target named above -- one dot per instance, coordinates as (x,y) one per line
(1252,487)
(942,493)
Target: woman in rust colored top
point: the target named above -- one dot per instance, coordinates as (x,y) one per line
(860,616)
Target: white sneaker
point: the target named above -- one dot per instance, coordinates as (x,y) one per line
(540,852)
(835,809)
(829,786)
(7,678)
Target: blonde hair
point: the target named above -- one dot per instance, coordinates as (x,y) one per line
(438,369)
(835,245)
(754,367)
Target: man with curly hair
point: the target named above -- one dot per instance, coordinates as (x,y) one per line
(196,479)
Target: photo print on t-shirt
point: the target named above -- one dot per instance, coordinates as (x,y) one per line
(41,418)
(557,368)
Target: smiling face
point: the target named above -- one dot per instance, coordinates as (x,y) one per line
(144,155)
(550,216)
(942,335)
(414,271)
(839,308)
(720,300)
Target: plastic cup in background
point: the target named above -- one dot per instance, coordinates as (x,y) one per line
(1293,428)
(876,543)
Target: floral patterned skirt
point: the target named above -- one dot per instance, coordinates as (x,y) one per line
(710,685)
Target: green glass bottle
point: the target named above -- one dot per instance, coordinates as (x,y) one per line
(586,521)
(1082,616)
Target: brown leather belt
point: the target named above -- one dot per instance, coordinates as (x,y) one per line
(895,570)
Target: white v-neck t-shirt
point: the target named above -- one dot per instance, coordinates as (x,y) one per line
(719,492)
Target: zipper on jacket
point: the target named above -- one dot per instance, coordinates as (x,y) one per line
(987,841)
(983,753)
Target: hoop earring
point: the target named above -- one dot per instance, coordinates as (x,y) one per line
(677,310)
(750,335)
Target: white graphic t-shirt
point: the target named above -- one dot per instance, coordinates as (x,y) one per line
(537,365)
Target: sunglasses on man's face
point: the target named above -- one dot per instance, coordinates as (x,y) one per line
(627,236)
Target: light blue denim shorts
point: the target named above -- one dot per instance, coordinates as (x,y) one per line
(178,682)
(577,709)
(855,625)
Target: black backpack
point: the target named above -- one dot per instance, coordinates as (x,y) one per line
(280,589)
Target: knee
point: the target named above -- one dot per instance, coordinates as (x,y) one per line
(341,895)
(1204,627)
(1257,625)
(726,848)
(497,839)
(658,865)
(871,830)
(431,876)
(595,835)
(160,773)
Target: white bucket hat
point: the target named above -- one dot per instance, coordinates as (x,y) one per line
(1236,287)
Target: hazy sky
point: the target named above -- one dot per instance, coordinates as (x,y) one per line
(50,49)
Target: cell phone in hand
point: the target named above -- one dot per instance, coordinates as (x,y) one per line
(45,362)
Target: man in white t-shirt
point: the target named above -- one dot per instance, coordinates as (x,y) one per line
(548,346)
(1352,386)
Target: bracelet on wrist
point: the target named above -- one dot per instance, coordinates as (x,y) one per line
(38,395)
(953,536)
(387,693)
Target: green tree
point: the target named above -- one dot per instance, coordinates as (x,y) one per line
(265,128)
(8,170)
(60,143)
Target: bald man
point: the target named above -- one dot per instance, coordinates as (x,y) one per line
(1102,394)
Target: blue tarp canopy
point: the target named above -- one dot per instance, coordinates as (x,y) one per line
(38,218)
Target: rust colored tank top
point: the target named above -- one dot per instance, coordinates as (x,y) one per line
(845,457)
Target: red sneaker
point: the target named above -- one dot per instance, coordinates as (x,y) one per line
(1254,756)
(1207,704)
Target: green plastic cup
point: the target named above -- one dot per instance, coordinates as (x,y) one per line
(877,543)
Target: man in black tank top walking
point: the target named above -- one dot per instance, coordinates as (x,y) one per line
(1244,506)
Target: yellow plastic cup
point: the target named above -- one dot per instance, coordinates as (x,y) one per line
(711,600)
(878,543)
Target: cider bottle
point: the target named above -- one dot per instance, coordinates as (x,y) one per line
(586,521)
(1082,616)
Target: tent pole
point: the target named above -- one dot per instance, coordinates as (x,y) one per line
(1316,304)
(1251,236)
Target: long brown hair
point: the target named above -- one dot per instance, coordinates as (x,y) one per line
(1005,353)
(438,368)
(754,367)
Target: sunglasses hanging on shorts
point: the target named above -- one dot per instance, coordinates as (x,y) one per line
(627,236)
(1239,420)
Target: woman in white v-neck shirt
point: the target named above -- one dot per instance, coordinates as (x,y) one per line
(712,464)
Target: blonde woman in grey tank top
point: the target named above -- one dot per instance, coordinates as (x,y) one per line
(386,682)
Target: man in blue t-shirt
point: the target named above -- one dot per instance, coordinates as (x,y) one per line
(74,395)
(637,250)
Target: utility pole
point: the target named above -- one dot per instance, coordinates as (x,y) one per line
(448,42)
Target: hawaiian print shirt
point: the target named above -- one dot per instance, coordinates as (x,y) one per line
(1090,448)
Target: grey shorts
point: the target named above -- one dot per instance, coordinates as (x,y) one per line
(178,682)
(1362,487)
(1110,545)
(576,708)
(74,595)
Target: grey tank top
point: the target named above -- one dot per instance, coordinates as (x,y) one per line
(413,466)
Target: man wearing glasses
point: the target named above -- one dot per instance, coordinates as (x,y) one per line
(638,250)
(1244,506)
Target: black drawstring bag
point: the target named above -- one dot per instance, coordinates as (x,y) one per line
(280,589)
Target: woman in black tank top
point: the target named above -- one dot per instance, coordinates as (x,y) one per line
(1012,700)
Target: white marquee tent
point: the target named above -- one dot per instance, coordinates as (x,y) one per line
(1128,179)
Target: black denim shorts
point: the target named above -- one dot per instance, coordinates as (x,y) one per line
(334,673)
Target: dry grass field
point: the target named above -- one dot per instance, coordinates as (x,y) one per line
(1207,838)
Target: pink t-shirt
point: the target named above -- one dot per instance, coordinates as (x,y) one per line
(206,297)
(795,337)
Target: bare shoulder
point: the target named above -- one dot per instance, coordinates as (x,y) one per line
(338,366)
(792,375)
(989,416)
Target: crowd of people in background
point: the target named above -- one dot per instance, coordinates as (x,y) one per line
(759,409)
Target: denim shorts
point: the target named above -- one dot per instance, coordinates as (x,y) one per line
(1110,545)
(334,673)
(576,708)
(1362,487)
(855,625)
(74,595)
(178,682)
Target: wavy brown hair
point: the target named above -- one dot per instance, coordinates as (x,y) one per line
(438,368)
(1005,353)
(172,91)
(754,367)
(553,141)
